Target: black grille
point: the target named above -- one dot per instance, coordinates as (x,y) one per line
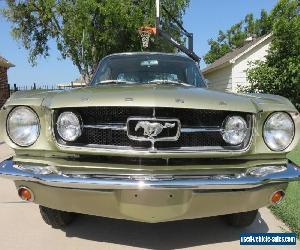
(109,137)
(189,118)
(200,139)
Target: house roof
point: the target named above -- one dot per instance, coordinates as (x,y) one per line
(5,63)
(79,82)
(232,56)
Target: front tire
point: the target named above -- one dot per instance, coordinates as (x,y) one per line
(56,218)
(243,219)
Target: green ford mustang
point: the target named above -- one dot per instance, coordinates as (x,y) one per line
(146,140)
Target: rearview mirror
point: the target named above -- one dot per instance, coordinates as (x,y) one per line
(149,63)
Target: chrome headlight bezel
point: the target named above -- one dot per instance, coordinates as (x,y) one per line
(8,127)
(270,116)
(78,129)
(246,132)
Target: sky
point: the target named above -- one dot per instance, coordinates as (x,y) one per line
(203,18)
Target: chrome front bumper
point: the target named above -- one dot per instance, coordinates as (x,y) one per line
(49,176)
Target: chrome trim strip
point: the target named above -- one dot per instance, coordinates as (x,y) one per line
(201,129)
(164,150)
(50,177)
(124,150)
(121,126)
(112,126)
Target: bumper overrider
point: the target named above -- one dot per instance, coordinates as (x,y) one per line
(151,198)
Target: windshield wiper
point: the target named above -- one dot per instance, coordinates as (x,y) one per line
(114,82)
(169,82)
(153,81)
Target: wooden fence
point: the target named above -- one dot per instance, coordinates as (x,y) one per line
(15,87)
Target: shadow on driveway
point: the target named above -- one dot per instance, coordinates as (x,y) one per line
(168,235)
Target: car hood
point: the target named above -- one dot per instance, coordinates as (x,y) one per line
(152,96)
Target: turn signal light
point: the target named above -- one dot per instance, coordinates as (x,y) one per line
(277,197)
(25,194)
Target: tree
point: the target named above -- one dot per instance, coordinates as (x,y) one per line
(236,35)
(280,73)
(87,30)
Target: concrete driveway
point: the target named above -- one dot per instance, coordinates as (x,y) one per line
(21,227)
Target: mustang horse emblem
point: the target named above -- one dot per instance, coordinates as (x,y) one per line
(152,129)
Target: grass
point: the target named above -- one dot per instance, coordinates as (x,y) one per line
(289,209)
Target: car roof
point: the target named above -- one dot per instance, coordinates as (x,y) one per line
(175,55)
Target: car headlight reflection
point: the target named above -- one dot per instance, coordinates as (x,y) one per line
(235,130)
(69,126)
(23,126)
(279,131)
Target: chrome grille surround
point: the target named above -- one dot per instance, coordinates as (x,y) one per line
(114,131)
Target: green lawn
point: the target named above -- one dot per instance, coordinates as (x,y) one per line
(289,209)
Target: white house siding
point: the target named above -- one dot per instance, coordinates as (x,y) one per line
(220,79)
(240,66)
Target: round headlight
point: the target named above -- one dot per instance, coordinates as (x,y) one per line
(68,126)
(23,126)
(279,130)
(235,130)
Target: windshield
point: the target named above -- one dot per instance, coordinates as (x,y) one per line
(148,69)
